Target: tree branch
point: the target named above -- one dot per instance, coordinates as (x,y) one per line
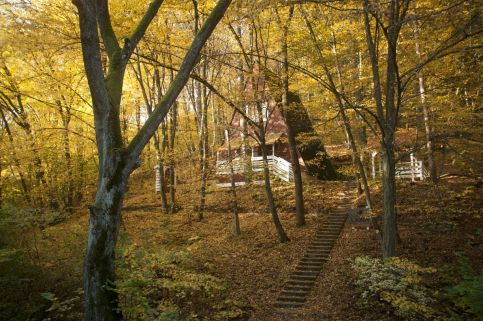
(133,40)
(107,33)
(147,131)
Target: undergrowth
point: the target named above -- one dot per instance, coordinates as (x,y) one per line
(162,286)
(401,288)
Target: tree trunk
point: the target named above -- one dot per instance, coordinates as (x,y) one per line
(69,202)
(297,176)
(203,146)
(171,143)
(356,160)
(427,126)
(160,143)
(387,114)
(172,167)
(294,157)
(162,179)
(236,220)
(268,191)
(389,235)
(38,167)
(116,162)
(99,264)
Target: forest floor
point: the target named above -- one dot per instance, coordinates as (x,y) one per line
(434,223)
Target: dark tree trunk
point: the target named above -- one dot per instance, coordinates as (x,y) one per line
(389,196)
(116,162)
(99,264)
(172,167)
(162,178)
(69,202)
(236,220)
(171,143)
(294,157)
(268,191)
(203,146)
(297,176)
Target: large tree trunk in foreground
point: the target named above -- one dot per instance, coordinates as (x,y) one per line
(116,162)
(99,265)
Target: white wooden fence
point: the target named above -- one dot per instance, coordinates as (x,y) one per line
(414,169)
(277,166)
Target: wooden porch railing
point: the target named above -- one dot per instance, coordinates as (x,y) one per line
(277,166)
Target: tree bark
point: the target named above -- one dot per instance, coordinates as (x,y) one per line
(116,162)
(101,299)
(203,145)
(387,113)
(236,220)
(427,126)
(294,157)
(389,235)
(268,191)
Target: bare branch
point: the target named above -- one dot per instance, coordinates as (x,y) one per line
(142,137)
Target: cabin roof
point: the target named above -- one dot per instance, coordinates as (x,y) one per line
(236,142)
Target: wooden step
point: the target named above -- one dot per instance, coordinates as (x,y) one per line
(324,251)
(305,273)
(297,294)
(303,277)
(284,305)
(297,288)
(310,264)
(290,299)
(314,258)
(310,260)
(323,242)
(302,280)
(300,283)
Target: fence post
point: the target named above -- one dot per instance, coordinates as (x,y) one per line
(421,170)
(412,165)
(157,183)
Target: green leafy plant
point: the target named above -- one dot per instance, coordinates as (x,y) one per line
(162,287)
(63,309)
(467,294)
(396,284)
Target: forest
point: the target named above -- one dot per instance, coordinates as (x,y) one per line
(257,160)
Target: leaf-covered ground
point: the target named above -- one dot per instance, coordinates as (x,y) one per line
(434,222)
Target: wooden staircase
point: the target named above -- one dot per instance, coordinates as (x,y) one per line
(303,279)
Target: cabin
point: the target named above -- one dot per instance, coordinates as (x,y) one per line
(246,151)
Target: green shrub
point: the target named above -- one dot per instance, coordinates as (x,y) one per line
(397,285)
(467,294)
(161,287)
(63,309)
